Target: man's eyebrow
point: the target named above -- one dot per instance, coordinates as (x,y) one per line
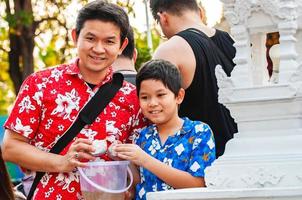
(89,34)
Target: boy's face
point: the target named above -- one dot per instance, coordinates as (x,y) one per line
(98,45)
(158,103)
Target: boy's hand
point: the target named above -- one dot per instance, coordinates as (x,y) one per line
(131,152)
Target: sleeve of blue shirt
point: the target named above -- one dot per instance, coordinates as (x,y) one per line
(203,150)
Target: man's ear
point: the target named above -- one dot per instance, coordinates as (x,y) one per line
(123,46)
(135,53)
(74,36)
(163,17)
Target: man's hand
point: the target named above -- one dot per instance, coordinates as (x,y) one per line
(77,156)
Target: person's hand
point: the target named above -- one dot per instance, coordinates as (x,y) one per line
(77,156)
(111,152)
(131,152)
(129,194)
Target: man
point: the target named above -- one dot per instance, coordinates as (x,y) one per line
(196,50)
(125,63)
(50,101)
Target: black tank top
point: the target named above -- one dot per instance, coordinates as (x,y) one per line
(201,98)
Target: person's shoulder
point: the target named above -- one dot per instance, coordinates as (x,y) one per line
(199,126)
(172,49)
(49,71)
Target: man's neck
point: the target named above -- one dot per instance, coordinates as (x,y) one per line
(192,21)
(123,64)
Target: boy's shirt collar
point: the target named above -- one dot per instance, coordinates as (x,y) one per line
(184,129)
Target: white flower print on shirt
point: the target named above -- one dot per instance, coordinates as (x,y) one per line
(67,103)
(196,143)
(56,74)
(65,181)
(26,105)
(211,143)
(168,161)
(195,167)
(126,90)
(141,193)
(179,149)
(19,127)
(90,134)
(111,129)
(154,147)
(38,96)
(199,128)
(166,186)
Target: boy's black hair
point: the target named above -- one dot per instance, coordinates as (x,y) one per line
(104,11)
(129,49)
(160,70)
(175,7)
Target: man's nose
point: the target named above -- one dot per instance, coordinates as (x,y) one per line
(99,47)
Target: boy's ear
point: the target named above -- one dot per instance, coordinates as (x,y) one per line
(181,95)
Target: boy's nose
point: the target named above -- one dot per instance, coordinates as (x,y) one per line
(153,102)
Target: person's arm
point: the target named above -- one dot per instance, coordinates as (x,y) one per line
(172,176)
(177,51)
(16,149)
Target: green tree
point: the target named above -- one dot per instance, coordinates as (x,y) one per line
(27,20)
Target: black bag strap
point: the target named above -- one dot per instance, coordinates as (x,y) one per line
(87,116)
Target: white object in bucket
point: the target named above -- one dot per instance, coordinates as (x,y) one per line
(110,176)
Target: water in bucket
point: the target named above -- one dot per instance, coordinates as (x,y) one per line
(105,180)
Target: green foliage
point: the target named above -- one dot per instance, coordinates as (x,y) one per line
(144,52)
(6,86)
(22,17)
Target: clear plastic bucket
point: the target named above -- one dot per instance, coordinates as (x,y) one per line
(105,180)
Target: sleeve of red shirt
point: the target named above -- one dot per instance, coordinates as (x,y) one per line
(25,114)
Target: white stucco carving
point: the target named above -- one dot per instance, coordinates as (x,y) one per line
(264,159)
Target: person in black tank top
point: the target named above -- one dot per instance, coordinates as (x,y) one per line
(125,62)
(196,55)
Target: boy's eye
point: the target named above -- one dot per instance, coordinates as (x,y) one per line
(161,94)
(143,97)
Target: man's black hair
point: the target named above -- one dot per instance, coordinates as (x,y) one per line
(129,50)
(104,11)
(175,7)
(160,70)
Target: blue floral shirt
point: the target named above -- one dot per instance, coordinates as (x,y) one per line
(191,149)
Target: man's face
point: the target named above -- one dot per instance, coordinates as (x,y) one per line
(98,45)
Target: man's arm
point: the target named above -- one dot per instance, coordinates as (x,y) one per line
(177,51)
(16,149)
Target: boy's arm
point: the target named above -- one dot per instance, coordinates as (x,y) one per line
(172,176)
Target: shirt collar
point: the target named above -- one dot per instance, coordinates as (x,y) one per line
(186,127)
(73,69)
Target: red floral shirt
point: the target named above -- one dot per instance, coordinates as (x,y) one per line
(47,104)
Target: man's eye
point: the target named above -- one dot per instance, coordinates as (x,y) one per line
(90,38)
(111,42)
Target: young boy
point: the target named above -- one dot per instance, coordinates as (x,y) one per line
(173,152)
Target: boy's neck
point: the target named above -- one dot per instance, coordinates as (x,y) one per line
(171,128)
